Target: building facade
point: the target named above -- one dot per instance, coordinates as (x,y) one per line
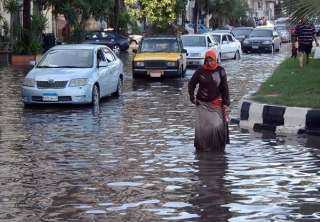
(262,8)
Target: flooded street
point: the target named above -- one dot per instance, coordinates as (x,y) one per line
(133,159)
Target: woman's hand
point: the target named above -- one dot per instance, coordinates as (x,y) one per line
(226,109)
(195,101)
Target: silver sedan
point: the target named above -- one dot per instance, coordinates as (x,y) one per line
(74,74)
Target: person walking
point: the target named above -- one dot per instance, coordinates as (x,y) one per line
(212,101)
(306,33)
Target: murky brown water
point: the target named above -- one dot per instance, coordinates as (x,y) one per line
(133,160)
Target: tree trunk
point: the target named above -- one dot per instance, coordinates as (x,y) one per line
(26,15)
(196,16)
(26,18)
(116,15)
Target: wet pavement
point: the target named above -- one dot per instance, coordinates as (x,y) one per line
(133,159)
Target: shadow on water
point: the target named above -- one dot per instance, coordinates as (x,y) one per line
(211,191)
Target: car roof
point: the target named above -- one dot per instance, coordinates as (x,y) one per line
(204,34)
(78,46)
(220,33)
(239,28)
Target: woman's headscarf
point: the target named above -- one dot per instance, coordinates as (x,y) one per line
(210,60)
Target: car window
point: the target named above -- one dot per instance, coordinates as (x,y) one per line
(100,56)
(71,58)
(217,38)
(209,40)
(261,33)
(180,45)
(191,41)
(241,32)
(224,38)
(159,45)
(108,55)
(104,35)
(230,38)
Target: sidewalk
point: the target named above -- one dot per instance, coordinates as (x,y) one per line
(288,102)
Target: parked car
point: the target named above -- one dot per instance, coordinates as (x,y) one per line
(111,39)
(74,74)
(283,32)
(201,28)
(159,56)
(262,39)
(229,46)
(197,45)
(241,33)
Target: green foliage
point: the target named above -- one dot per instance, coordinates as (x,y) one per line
(77,12)
(228,11)
(33,46)
(124,20)
(299,9)
(11,6)
(292,86)
(159,14)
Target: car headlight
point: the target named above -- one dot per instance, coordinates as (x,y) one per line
(171,64)
(29,82)
(267,42)
(78,82)
(139,64)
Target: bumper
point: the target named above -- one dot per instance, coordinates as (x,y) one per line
(257,48)
(69,95)
(195,62)
(156,72)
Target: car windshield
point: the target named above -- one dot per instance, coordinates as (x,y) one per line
(67,58)
(281,28)
(199,41)
(159,45)
(96,35)
(261,33)
(217,38)
(241,32)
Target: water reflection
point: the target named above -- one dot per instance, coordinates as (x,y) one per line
(211,192)
(132,159)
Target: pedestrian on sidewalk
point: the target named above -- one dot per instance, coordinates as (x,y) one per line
(212,102)
(306,33)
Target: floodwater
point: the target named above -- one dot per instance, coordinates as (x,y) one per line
(133,158)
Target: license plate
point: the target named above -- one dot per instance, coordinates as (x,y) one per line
(156,73)
(50,97)
(255,46)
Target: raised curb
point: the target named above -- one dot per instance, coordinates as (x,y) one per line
(279,119)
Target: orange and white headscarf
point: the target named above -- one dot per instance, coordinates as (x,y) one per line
(210,60)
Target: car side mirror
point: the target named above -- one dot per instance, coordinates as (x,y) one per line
(135,51)
(32,63)
(102,64)
(184,51)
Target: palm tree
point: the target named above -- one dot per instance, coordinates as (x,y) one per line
(298,9)
(13,7)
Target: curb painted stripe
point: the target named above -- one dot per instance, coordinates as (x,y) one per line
(281,119)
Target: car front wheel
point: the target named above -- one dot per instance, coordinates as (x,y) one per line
(95,96)
(237,55)
(119,88)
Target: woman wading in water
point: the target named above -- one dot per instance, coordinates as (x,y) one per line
(212,101)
